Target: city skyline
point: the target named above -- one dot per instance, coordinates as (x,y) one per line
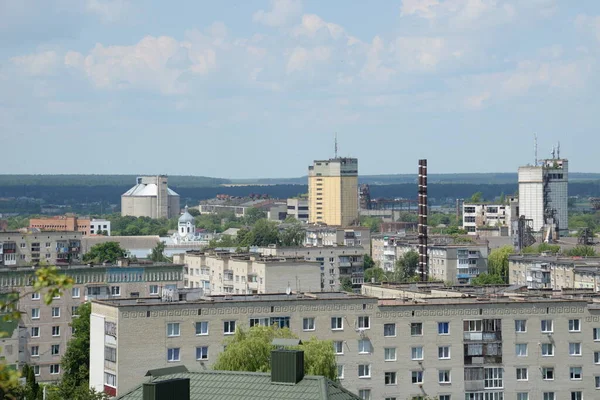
(127,87)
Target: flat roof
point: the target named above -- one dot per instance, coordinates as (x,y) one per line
(67,267)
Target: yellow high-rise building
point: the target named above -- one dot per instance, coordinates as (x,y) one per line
(333,191)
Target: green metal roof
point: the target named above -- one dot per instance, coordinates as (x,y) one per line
(233,385)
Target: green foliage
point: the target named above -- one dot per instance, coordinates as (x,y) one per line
(407,217)
(368,262)
(476,198)
(581,251)
(224,241)
(456,232)
(346,285)
(487,279)
(108,251)
(293,235)
(253,215)
(405,268)
(375,273)
(76,361)
(31,390)
(578,220)
(158,255)
(542,248)
(82,392)
(133,226)
(498,262)
(194,212)
(250,350)
(263,233)
(373,223)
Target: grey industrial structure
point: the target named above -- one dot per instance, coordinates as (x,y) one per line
(150,197)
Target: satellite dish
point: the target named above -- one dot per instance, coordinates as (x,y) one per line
(288,290)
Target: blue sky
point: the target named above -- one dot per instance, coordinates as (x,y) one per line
(244,88)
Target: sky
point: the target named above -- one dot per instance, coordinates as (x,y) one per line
(260,88)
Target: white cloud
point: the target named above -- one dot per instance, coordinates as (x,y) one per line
(312,24)
(39,64)
(108,10)
(281,12)
(476,102)
(301,58)
(421,8)
(374,68)
(589,24)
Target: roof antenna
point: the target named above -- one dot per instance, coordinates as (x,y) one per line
(535,149)
(335,146)
(558,151)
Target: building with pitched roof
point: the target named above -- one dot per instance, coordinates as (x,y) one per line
(150,197)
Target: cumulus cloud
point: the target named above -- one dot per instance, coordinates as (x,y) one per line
(589,23)
(108,10)
(313,24)
(421,8)
(301,58)
(282,11)
(39,64)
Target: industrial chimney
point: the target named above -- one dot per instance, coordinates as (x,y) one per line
(422,222)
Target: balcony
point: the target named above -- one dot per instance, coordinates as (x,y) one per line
(482,336)
(345,264)
(473,256)
(389,253)
(472,386)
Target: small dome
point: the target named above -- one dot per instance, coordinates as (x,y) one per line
(186,217)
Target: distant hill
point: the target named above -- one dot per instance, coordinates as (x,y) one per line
(104,180)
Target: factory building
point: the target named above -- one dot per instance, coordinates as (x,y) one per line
(150,197)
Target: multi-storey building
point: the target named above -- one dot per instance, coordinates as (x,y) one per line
(506,346)
(554,272)
(44,330)
(221,272)
(317,236)
(333,192)
(337,263)
(71,223)
(450,262)
(28,247)
(543,194)
(478,219)
(298,208)
(150,197)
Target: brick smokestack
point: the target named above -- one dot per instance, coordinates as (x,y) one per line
(422,222)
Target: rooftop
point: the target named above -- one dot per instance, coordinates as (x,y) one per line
(72,267)
(144,190)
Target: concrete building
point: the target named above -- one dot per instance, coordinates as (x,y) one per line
(317,236)
(480,219)
(29,247)
(337,263)
(71,223)
(298,208)
(510,345)
(45,330)
(554,272)
(220,273)
(448,261)
(543,194)
(150,197)
(333,192)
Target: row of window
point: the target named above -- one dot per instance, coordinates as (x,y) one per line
(173,353)
(416,352)
(547,350)
(547,326)
(35,331)
(365,394)
(391,377)
(53,368)
(54,350)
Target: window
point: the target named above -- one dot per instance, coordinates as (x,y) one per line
(364,346)
(338,347)
(597,382)
(416,329)
(259,322)
(443,328)
(110,379)
(576,395)
(36,370)
(548,396)
(522,396)
(574,325)
(596,334)
(56,331)
(115,290)
(547,325)
(57,296)
(35,331)
(35,296)
(110,354)
(228,327)
(337,323)
(444,352)
(416,353)
(548,373)
(597,357)
(35,313)
(202,328)
(521,349)
(389,354)
(35,351)
(416,377)
(173,329)
(364,394)
(202,353)
(364,371)
(55,369)
(389,330)
(363,322)
(340,371)
(575,373)
(173,354)
(520,325)
(547,349)
(522,374)
(493,378)
(444,376)
(308,324)
(75,292)
(153,289)
(55,349)
(55,312)
(574,349)
(472,326)
(390,378)
(444,397)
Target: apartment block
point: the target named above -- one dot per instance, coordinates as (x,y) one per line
(554,272)
(451,262)
(489,219)
(505,346)
(333,192)
(298,208)
(337,263)
(317,236)
(71,223)
(44,330)
(29,247)
(221,272)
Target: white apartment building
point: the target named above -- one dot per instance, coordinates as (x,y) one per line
(317,236)
(479,217)
(221,272)
(509,346)
(98,226)
(554,272)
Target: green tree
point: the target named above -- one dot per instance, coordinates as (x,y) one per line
(581,251)
(78,393)
(487,279)
(76,361)
(264,233)
(194,212)
(101,252)
(31,391)
(542,248)
(476,198)
(376,274)
(368,262)
(498,262)
(293,235)
(223,241)
(158,253)
(253,215)
(346,284)
(250,350)
(373,223)
(405,268)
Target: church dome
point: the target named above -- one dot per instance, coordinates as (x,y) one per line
(186,217)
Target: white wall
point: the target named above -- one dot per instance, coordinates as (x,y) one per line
(97,352)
